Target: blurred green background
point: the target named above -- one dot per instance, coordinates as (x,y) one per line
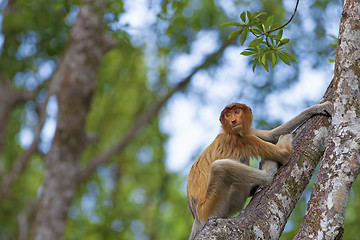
(141,194)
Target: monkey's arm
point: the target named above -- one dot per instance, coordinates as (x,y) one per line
(280,152)
(274,134)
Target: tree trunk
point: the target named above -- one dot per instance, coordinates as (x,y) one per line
(73,84)
(324,217)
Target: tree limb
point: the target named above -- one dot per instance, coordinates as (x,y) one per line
(10,98)
(22,161)
(324,217)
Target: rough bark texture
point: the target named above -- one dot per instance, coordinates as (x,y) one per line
(267,213)
(73,83)
(324,217)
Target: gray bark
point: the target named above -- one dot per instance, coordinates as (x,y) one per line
(324,217)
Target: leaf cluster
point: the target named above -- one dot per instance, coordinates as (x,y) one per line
(269,44)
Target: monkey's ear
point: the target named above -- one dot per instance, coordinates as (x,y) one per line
(222,116)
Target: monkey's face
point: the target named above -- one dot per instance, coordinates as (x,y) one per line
(236,118)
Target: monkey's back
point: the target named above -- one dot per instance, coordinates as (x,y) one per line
(225,146)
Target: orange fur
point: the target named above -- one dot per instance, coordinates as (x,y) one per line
(220,180)
(215,190)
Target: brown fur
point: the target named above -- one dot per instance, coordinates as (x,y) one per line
(220,180)
(211,187)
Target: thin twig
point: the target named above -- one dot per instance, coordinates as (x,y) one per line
(275,29)
(267,43)
(284,25)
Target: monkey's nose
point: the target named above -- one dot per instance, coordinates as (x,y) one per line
(233,121)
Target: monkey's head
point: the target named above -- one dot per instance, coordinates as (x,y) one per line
(236,118)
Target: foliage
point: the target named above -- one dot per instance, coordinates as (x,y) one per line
(268,45)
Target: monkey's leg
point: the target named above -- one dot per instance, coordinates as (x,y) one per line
(238,194)
(274,134)
(224,174)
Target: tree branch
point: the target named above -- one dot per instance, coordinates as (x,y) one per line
(324,217)
(146,117)
(9,98)
(285,24)
(22,161)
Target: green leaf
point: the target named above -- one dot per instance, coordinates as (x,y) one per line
(256,31)
(249,16)
(263,59)
(236,24)
(269,21)
(243,36)
(256,42)
(263,28)
(272,41)
(247,53)
(259,27)
(277,25)
(254,65)
(273,59)
(235,33)
(284,41)
(292,57)
(279,35)
(243,17)
(258,14)
(284,58)
(331,60)
(266,66)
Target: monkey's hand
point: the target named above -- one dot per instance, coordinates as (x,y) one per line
(285,142)
(325,108)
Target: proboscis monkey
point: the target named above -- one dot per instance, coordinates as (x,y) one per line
(220,180)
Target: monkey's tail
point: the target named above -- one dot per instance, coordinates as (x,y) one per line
(196,228)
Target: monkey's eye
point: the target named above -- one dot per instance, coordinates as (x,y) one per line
(227,114)
(237,111)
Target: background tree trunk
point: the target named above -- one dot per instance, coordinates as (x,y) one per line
(73,84)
